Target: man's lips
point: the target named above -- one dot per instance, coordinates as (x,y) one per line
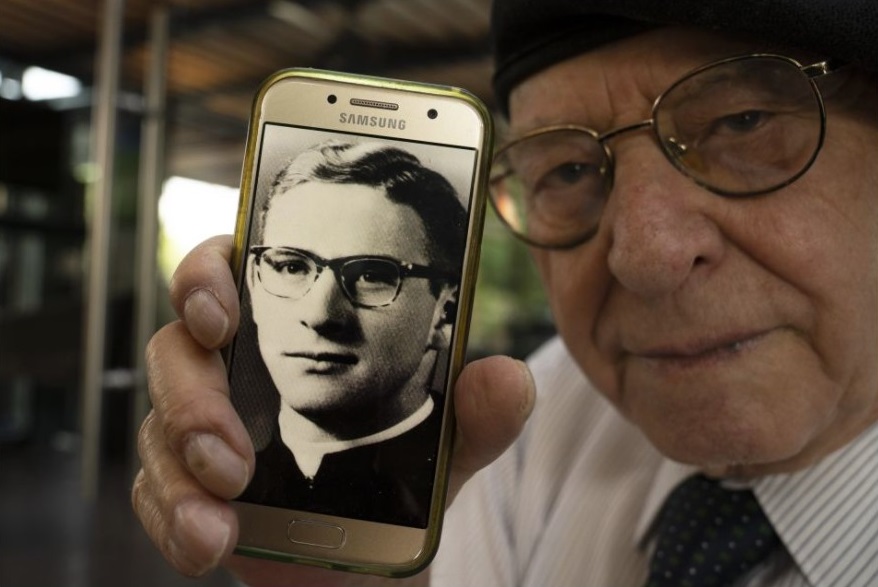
(324,357)
(706,348)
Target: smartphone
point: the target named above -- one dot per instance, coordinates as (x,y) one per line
(356,249)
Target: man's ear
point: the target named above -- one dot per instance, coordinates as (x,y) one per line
(443,317)
(250,278)
(251,274)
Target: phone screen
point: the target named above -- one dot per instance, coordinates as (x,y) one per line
(349,292)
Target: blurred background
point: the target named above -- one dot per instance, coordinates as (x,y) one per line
(122,128)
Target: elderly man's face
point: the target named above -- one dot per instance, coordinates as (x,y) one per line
(740,334)
(325,355)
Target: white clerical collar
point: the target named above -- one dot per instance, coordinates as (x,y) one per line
(309,454)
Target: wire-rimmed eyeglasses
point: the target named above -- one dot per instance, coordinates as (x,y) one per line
(367,281)
(742,126)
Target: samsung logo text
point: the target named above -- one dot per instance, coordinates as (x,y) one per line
(374,121)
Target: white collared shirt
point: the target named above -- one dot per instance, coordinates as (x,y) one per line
(572,503)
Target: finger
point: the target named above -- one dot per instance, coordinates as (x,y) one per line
(189,391)
(493,399)
(193,529)
(204,294)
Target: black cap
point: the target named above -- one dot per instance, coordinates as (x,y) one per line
(530,35)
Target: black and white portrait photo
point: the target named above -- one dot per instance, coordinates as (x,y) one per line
(349,296)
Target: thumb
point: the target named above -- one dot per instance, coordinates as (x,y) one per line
(493,398)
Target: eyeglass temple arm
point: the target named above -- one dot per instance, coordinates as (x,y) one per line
(412,270)
(822,68)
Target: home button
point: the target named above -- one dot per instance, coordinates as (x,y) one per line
(315,533)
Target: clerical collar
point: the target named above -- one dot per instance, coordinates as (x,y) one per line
(309,455)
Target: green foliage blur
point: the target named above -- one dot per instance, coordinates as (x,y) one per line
(510,312)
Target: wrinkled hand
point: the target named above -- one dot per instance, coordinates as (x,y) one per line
(196,454)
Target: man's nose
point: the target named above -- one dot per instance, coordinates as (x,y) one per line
(661,228)
(325,301)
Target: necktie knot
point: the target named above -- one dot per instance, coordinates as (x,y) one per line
(709,536)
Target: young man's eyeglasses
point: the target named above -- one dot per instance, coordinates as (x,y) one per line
(367,281)
(742,126)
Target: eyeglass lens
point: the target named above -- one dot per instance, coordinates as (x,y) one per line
(744,127)
(553,186)
(366,282)
(740,127)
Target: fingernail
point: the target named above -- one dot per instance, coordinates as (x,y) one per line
(216,464)
(200,537)
(529,399)
(205,315)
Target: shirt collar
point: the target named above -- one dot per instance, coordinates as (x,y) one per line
(826,515)
(668,475)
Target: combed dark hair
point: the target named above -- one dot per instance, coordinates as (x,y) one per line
(402,176)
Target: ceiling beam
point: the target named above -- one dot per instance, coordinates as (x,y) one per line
(350,52)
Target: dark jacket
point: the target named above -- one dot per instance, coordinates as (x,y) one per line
(390,481)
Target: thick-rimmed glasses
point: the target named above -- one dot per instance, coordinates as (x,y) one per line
(742,126)
(367,281)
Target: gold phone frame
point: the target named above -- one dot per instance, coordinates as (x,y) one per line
(368,547)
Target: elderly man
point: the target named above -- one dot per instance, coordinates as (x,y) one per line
(698,181)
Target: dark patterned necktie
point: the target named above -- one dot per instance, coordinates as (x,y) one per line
(709,536)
